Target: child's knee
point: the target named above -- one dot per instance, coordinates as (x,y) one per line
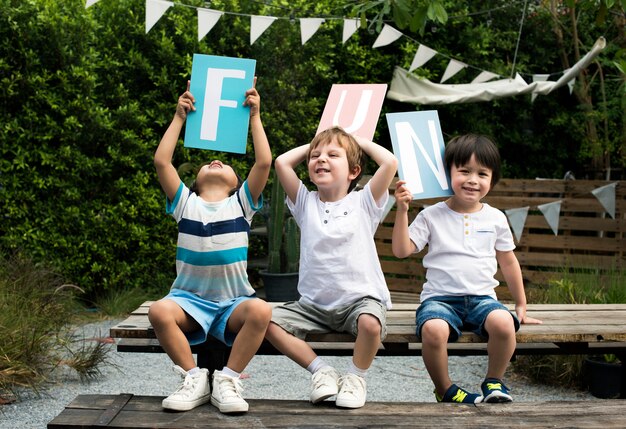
(369,325)
(435,331)
(159,313)
(259,313)
(500,324)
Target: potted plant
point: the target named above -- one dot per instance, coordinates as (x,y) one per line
(603,376)
(280,280)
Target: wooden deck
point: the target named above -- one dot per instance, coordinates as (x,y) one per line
(128,411)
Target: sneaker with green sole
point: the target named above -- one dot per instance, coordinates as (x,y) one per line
(459,395)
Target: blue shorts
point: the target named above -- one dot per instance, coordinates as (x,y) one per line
(211,316)
(461,312)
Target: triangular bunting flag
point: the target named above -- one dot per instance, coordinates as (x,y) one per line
(453,68)
(606,196)
(90,3)
(207,18)
(349,28)
(154,11)
(538,78)
(517,219)
(387,35)
(422,56)
(484,76)
(551,212)
(258,24)
(308,27)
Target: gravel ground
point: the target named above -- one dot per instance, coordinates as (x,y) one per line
(271,377)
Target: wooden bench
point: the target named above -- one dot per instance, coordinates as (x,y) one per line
(566,329)
(129,411)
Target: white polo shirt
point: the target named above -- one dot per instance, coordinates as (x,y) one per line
(461,258)
(338,259)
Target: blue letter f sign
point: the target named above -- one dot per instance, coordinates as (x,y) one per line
(220,121)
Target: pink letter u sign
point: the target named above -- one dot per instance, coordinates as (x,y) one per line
(354,107)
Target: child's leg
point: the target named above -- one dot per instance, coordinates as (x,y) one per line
(501,343)
(289,345)
(434,335)
(250,320)
(367,341)
(170,323)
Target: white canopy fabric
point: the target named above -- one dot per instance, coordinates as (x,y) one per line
(408,88)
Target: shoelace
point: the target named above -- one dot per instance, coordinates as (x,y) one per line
(319,379)
(189,383)
(349,384)
(230,387)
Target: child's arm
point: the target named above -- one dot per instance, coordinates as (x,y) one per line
(401,244)
(285,165)
(387,166)
(168,176)
(260,171)
(513,277)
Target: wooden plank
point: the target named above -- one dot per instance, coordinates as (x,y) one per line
(146,411)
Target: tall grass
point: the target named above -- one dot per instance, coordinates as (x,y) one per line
(37,311)
(571,288)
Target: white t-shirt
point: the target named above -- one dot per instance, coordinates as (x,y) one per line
(338,259)
(461,258)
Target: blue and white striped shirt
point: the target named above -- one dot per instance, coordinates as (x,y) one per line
(212,248)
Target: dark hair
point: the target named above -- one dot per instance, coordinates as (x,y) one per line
(460,149)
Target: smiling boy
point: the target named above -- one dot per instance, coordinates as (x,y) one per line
(466,239)
(341,283)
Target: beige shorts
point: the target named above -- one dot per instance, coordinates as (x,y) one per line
(300,319)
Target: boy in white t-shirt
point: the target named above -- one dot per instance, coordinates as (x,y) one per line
(466,239)
(341,283)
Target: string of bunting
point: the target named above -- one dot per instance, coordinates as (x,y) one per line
(208,18)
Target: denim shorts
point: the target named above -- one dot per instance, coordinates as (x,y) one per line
(299,318)
(211,316)
(467,312)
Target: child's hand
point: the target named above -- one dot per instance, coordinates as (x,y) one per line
(253,99)
(185,104)
(524,318)
(403,196)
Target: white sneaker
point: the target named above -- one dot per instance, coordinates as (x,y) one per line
(193,391)
(353,391)
(324,384)
(226,394)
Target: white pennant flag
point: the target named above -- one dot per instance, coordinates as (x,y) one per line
(154,11)
(207,19)
(606,196)
(422,56)
(538,78)
(517,219)
(453,68)
(387,35)
(484,76)
(571,82)
(308,27)
(551,212)
(258,24)
(90,3)
(349,28)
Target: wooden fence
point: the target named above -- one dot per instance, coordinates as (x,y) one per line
(588,240)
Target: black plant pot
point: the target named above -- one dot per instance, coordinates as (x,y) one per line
(280,287)
(604,379)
